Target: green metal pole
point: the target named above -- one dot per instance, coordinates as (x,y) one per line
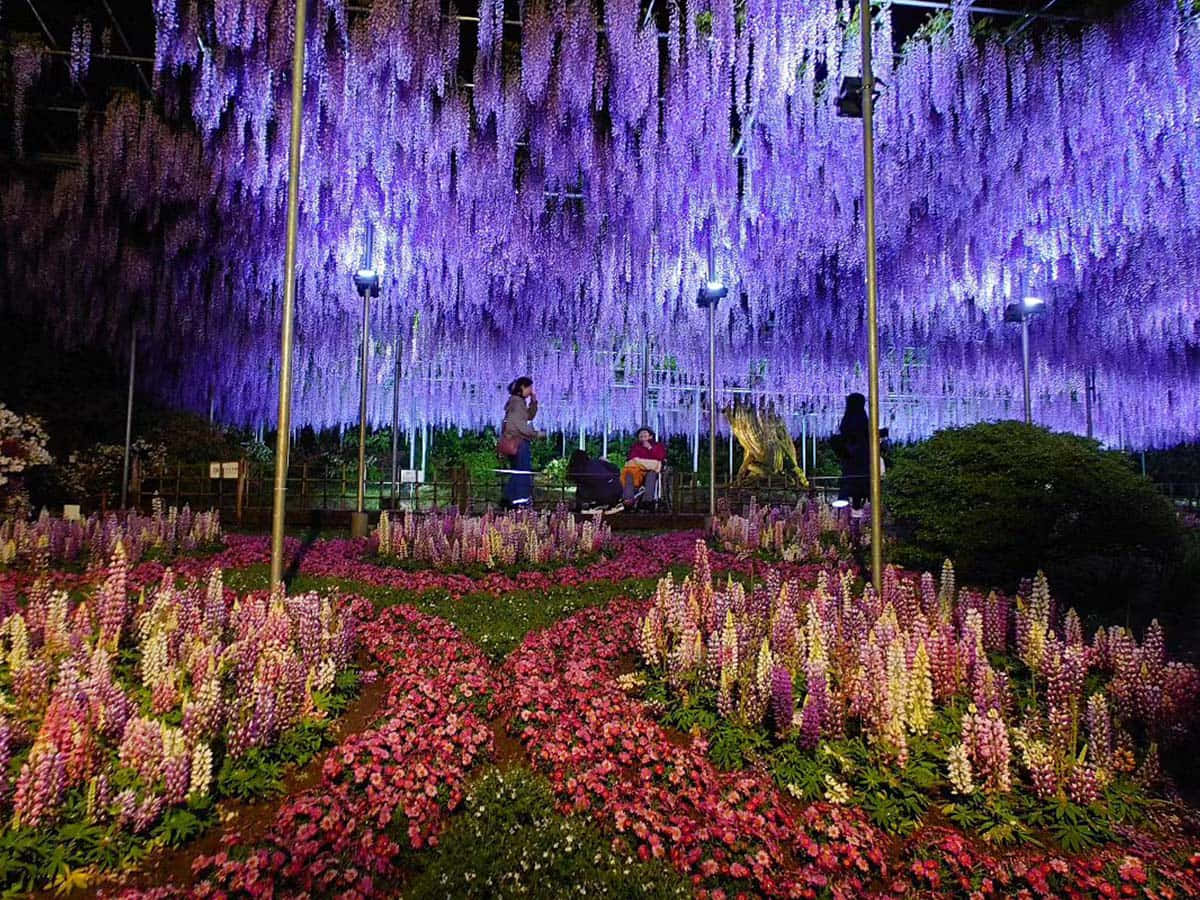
(283,435)
(868,108)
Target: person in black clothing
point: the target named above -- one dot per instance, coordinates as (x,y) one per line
(597,483)
(854,453)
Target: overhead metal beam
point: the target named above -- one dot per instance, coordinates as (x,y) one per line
(124,40)
(1033,17)
(42,23)
(975,9)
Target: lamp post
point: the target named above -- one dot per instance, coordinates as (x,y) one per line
(856,99)
(366,282)
(283,434)
(712,292)
(1022,312)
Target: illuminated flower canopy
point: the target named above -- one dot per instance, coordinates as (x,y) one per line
(552,214)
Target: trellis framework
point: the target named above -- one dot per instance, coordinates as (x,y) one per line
(1004,169)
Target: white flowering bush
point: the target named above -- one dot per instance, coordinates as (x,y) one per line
(97,470)
(22,447)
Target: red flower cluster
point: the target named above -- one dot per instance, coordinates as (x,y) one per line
(353,560)
(947,863)
(603,753)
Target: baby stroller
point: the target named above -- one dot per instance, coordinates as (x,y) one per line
(597,483)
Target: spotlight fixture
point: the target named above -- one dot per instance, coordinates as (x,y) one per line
(366,282)
(1027,308)
(849,98)
(1020,313)
(711,293)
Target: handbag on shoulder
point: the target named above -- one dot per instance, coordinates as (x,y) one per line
(508,446)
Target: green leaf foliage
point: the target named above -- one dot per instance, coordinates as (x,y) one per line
(1004,500)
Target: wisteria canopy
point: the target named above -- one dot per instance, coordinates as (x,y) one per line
(556,212)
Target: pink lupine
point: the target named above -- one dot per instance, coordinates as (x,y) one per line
(1099,722)
(147,813)
(995,623)
(6,750)
(41,785)
(1149,773)
(986,739)
(142,749)
(1153,653)
(1082,784)
(113,600)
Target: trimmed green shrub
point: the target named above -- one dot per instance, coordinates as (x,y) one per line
(1004,500)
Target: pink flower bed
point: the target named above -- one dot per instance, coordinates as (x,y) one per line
(607,758)
(406,773)
(352,560)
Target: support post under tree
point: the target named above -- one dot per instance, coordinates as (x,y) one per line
(283,433)
(868,109)
(129,416)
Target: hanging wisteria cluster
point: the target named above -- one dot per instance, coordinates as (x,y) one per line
(54,540)
(551,214)
(494,540)
(824,663)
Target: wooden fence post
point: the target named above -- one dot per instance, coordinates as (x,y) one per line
(241,489)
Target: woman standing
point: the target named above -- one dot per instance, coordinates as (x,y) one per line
(854,446)
(517,432)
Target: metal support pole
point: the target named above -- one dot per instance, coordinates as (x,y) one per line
(362,406)
(1089,388)
(645,380)
(868,108)
(696,436)
(804,444)
(289,301)
(424,446)
(712,394)
(582,438)
(396,425)
(129,416)
(1025,365)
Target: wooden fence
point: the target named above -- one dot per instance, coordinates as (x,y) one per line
(244,490)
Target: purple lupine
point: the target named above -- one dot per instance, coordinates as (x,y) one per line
(783,706)
(816,705)
(176,772)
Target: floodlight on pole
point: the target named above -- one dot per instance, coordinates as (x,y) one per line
(366,282)
(1022,312)
(867,95)
(710,294)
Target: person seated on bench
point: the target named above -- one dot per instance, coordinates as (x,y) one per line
(597,483)
(639,478)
